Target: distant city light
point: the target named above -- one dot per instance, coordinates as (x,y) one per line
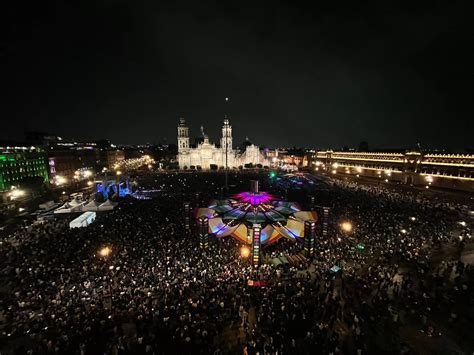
(60,180)
(16,193)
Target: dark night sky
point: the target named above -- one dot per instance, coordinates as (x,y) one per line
(322,76)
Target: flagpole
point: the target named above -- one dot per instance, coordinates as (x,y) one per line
(226,144)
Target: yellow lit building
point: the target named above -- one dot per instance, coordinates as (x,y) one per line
(452,171)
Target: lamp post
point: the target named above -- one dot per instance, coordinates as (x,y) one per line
(105,252)
(226,144)
(346,227)
(244,252)
(226,165)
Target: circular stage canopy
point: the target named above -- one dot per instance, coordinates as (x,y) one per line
(236,215)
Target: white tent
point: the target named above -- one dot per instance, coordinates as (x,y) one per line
(93,205)
(70,207)
(46,206)
(83,220)
(107,206)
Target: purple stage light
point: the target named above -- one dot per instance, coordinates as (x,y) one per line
(254,199)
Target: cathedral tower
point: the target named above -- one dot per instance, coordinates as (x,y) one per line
(183,135)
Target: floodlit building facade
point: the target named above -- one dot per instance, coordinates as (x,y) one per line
(452,171)
(19,163)
(207,155)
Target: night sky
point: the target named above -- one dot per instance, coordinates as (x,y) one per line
(324,76)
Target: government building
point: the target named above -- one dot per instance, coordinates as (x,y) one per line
(206,155)
(413,167)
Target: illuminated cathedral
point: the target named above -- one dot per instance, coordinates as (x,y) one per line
(207,155)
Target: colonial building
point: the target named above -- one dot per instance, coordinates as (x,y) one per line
(19,163)
(452,171)
(207,155)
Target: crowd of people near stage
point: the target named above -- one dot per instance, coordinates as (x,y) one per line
(158,292)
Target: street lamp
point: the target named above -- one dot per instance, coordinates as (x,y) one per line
(105,252)
(244,252)
(346,227)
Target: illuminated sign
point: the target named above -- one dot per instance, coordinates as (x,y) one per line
(256,244)
(203,232)
(309,233)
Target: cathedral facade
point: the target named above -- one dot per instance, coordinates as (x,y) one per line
(206,154)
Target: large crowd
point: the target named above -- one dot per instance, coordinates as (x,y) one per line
(157,292)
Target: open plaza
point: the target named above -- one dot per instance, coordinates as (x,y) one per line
(389,272)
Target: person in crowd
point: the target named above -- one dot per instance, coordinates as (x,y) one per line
(157,292)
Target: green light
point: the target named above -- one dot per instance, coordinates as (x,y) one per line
(273,174)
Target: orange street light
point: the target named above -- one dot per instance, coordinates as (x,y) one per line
(244,252)
(346,227)
(105,251)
